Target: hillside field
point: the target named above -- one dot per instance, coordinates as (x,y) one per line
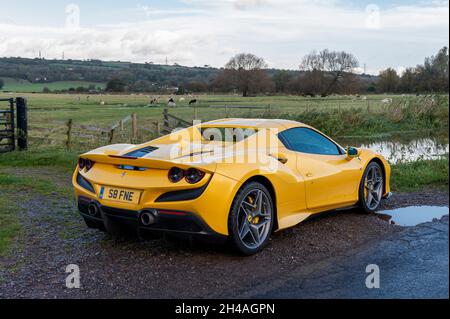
(24,86)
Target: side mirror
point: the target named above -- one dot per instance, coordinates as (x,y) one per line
(352,152)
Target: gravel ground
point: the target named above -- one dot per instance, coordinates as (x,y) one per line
(55,236)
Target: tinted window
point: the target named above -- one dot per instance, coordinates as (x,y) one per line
(306,140)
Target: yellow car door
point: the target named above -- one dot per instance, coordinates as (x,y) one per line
(331,179)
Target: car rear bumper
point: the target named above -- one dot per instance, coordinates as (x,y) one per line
(176,222)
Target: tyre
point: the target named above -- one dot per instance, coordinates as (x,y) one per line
(371,188)
(251,219)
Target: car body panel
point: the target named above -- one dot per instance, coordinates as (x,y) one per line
(303,184)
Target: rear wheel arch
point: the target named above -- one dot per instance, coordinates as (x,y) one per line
(268,184)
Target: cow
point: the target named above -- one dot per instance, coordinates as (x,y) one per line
(192,102)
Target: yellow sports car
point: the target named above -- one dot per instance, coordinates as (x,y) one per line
(235,179)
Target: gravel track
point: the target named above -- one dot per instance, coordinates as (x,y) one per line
(55,236)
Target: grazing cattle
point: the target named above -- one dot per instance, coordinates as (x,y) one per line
(171,103)
(154,100)
(193,102)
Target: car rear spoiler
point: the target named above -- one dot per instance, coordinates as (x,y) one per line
(148,162)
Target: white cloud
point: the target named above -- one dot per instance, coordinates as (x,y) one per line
(209,32)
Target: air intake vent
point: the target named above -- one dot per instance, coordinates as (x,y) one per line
(141,152)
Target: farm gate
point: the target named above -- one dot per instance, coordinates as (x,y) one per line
(13,124)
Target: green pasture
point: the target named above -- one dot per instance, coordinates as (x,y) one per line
(24,86)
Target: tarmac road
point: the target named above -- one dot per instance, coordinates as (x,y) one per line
(412,264)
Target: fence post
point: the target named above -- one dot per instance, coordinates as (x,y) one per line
(69,133)
(9,117)
(134,127)
(121,125)
(195,112)
(111,136)
(166,118)
(22,123)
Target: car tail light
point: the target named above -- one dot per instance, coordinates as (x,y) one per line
(89,165)
(81,163)
(194,175)
(85,164)
(176,174)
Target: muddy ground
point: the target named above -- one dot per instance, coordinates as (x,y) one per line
(55,236)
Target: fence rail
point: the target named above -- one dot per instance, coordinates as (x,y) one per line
(70,133)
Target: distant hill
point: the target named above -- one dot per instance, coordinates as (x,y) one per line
(95,71)
(36,74)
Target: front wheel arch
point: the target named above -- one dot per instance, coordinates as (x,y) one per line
(383,170)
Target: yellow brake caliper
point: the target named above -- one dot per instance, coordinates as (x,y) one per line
(249,218)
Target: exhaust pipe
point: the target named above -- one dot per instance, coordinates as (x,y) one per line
(147,218)
(93,210)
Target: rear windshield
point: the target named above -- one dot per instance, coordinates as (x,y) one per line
(226,134)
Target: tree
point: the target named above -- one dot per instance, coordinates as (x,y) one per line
(408,81)
(281,80)
(388,80)
(245,72)
(324,70)
(116,85)
(2,84)
(197,86)
(433,74)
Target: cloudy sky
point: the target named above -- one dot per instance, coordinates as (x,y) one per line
(397,33)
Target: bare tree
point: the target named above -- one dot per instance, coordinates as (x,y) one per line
(325,69)
(246,72)
(388,80)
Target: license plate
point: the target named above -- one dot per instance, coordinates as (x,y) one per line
(120,195)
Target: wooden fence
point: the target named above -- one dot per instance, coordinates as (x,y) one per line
(70,133)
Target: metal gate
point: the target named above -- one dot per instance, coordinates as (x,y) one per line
(7,138)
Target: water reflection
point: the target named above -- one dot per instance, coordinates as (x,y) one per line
(404,148)
(413,215)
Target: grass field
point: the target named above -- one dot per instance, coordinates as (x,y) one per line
(24,86)
(337,116)
(103,110)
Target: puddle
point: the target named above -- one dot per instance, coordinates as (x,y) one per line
(405,148)
(413,215)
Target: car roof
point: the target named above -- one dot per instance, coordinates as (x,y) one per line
(255,123)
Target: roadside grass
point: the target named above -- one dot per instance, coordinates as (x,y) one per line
(15,188)
(9,223)
(44,156)
(414,176)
